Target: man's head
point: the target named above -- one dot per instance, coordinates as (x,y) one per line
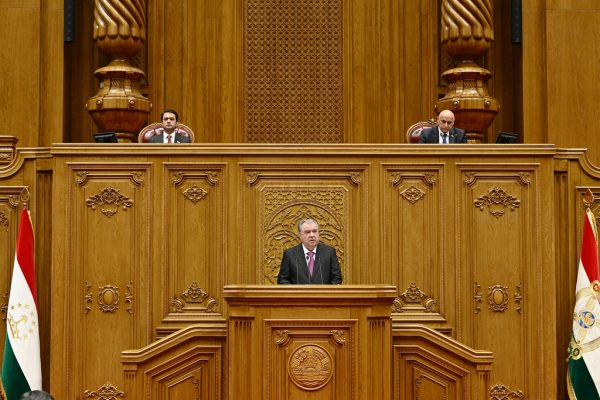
(169,120)
(445,120)
(36,395)
(309,233)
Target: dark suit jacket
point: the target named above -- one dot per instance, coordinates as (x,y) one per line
(432,135)
(160,138)
(294,266)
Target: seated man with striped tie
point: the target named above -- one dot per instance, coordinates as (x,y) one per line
(168,133)
(310,262)
(444,132)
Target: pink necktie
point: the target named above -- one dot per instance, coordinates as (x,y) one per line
(169,140)
(311,262)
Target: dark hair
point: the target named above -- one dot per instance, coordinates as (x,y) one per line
(36,395)
(169,110)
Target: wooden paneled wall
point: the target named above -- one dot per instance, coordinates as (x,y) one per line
(465,233)
(479,240)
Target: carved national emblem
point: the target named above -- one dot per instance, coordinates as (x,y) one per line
(310,367)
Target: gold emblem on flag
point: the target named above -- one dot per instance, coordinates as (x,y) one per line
(22,321)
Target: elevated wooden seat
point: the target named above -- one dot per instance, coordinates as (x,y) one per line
(413,133)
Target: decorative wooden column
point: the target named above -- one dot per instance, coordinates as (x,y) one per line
(119,32)
(466,34)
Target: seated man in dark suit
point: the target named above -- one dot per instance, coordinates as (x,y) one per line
(444,132)
(310,261)
(168,133)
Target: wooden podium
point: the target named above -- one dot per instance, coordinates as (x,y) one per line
(293,342)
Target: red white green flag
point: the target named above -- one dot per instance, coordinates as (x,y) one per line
(583,377)
(21,365)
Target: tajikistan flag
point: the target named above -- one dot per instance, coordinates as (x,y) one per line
(583,377)
(21,367)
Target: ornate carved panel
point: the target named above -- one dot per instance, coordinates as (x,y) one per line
(293,83)
(499,212)
(193,206)
(317,355)
(281,210)
(106,269)
(502,392)
(278,197)
(413,211)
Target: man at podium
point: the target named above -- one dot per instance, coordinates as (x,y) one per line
(310,262)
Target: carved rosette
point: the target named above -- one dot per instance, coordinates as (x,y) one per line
(4,220)
(120,33)
(466,34)
(282,209)
(194,194)
(412,194)
(497,201)
(310,367)
(108,298)
(498,298)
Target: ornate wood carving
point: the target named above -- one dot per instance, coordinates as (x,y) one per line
(502,392)
(310,367)
(414,296)
(477,297)
(428,178)
(339,337)
(412,194)
(4,220)
(108,298)
(129,297)
(293,85)
(497,201)
(194,295)
(108,172)
(87,297)
(109,199)
(498,298)
(519,298)
(194,194)
(105,392)
(4,306)
(281,210)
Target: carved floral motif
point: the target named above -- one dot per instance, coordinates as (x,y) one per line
(109,199)
(104,392)
(282,208)
(194,194)
(502,392)
(412,194)
(496,201)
